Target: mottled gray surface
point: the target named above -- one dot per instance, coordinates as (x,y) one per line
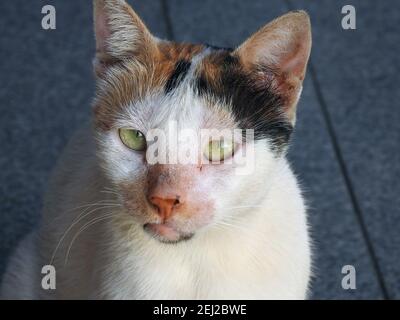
(349,111)
(358,76)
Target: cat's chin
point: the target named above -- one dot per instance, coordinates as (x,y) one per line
(166,234)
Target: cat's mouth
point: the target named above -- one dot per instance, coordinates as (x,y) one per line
(165,233)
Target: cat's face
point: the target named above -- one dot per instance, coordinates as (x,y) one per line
(156,100)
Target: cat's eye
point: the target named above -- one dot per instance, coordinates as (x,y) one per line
(133,139)
(218,150)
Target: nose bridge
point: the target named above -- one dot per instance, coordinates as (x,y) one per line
(157,174)
(164,182)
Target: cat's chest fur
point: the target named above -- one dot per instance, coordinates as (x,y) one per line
(271,265)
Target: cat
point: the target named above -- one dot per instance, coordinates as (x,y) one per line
(116,226)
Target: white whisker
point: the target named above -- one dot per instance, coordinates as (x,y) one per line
(74,222)
(83,228)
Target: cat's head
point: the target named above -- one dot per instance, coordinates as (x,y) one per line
(148,87)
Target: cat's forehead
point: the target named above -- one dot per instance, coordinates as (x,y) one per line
(171,88)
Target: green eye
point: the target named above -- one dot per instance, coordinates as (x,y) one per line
(218,150)
(133,139)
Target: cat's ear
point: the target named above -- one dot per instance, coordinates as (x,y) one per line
(120,34)
(278,53)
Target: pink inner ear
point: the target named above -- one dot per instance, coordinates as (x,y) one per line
(283,45)
(102,30)
(295,61)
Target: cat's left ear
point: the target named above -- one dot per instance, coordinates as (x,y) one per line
(278,54)
(120,34)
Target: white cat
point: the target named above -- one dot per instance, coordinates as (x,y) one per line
(116,226)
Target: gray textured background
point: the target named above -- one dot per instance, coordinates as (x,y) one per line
(346,148)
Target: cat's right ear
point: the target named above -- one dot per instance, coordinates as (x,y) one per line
(120,34)
(278,54)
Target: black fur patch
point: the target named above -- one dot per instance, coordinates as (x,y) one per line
(181,69)
(255,105)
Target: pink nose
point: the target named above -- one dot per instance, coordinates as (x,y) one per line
(165,206)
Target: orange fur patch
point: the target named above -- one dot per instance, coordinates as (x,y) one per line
(131,80)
